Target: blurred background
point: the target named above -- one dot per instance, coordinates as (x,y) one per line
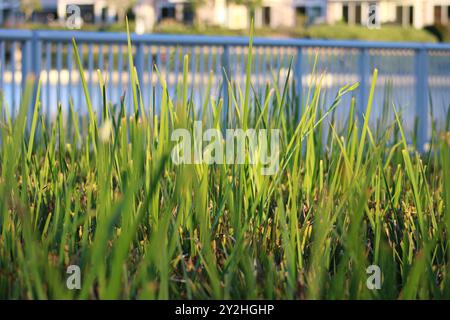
(392,20)
(404,39)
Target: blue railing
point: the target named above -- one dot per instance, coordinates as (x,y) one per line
(415,70)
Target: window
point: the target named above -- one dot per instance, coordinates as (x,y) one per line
(438,14)
(399,15)
(168,12)
(87,13)
(345,13)
(266,16)
(300,16)
(316,12)
(104,14)
(358,14)
(188,13)
(301,11)
(42,16)
(411,15)
(130,14)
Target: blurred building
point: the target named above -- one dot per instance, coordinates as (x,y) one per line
(237,14)
(221,13)
(415,13)
(310,11)
(91,11)
(292,13)
(8,10)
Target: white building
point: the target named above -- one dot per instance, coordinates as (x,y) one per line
(416,13)
(289,13)
(222,13)
(92,11)
(268,13)
(275,14)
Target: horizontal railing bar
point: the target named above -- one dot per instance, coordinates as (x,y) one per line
(17,35)
(193,40)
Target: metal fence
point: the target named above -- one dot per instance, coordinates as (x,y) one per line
(415,71)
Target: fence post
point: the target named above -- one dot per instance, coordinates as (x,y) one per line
(36,54)
(225,76)
(363,69)
(298,80)
(25,61)
(139,64)
(421,75)
(32,56)
(140,61)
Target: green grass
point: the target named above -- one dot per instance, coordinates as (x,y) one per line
(387,32)
(103,193)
